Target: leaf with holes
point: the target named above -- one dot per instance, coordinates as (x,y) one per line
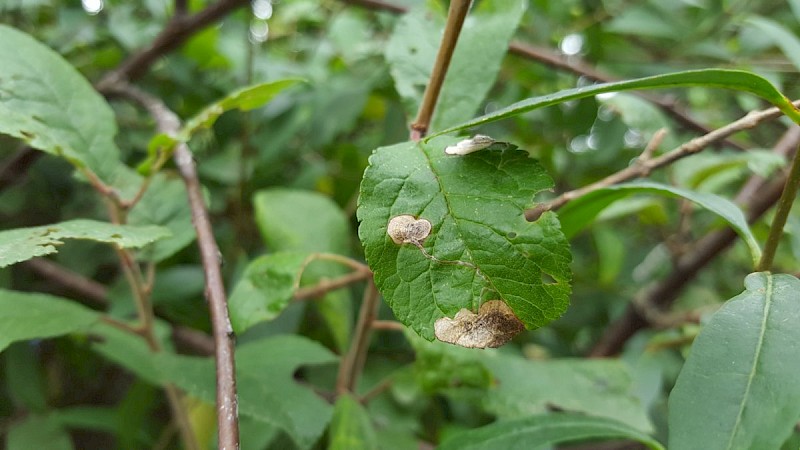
(478,247)
(21,244)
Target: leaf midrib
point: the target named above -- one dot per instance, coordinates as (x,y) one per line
(759,346)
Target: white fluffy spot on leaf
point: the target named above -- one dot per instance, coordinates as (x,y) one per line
(494,325)
(467,146)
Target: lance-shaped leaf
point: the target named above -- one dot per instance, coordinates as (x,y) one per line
(717,78)
(25,243)
(578,213)
(738,388)
(479,247)
(48,104)
(544,431)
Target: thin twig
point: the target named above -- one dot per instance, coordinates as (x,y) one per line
(758,195)
(179,29)
(455,20)
(781,214)
(91,291)
(571,64)
(227,410)
(390,325)
(377,390)
(643,167)
(353,362)
(325,286)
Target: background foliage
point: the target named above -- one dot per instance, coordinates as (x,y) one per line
(282,181)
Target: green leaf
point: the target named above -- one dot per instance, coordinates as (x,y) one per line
(516,388)
(351,426)
(245,99)
(48,104)
(38,432)
(482,44)
(720,78)
(264,377)
(580,212)
(283,217)
(265,289)
(165,203)
(544,431)
(36,316)
(786,40)
(24,377)
(738,387)
(484,247)
(25,243)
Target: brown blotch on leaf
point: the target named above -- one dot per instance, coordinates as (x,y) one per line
(494,325)
(407,229)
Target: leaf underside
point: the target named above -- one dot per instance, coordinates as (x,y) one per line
(480,247)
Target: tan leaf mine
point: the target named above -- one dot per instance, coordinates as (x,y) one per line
(407,229)
(494,325)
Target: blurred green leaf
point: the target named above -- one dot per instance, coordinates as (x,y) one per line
(279,402)
(165,203)
(304,221)
(544,431)
(265,289)
(482,44)
(580,212)
(38,432)
(518,388)
(25,243)
(37,316)
(785,39)
(351,426)
(45,102)
(475,204)
(742,372)
(719,78)
(24,377)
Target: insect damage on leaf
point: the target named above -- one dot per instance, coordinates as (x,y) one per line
(467,146)
(407,229)
(494,325)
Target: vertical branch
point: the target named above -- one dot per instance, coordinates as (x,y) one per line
(455,20)
(781,214)
(222,332)
(353,362)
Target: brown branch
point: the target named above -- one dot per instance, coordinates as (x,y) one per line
(13,169)
(325,286)
(455,20)
(177,31)
(644,166)
(353,362)
(664,293)
(227,410)
(390,325)
(571,64)
(94,293)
